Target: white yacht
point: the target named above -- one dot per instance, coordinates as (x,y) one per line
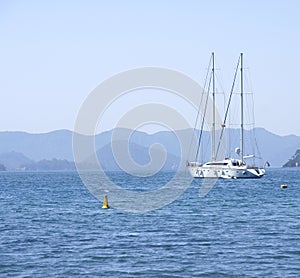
(228,168)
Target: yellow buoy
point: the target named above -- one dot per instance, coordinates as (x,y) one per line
(283,186)
(105,203)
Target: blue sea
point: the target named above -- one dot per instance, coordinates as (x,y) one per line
(51,225)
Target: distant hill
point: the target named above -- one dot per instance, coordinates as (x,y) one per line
(18,161)
(50,165)
(27,148)
(14,160)
(38,146)
(294,161)
(276,149)
(139,154)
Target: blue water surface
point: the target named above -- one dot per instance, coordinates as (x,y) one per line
(50,225)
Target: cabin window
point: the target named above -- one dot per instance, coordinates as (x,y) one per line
(217,164)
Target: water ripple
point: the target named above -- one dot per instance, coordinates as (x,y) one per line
(51,225)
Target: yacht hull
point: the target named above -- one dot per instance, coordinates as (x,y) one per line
(225,172)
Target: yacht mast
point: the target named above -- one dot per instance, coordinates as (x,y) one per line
(214,111)
(242,112)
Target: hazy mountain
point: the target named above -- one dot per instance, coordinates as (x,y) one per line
(26,148)
(14,160)
(18,161)
(294,161)
(138,154)
(38,146)
(276,149)
(50,165)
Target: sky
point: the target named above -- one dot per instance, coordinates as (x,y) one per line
(54,53)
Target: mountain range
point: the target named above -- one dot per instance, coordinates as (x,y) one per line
(19,150)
